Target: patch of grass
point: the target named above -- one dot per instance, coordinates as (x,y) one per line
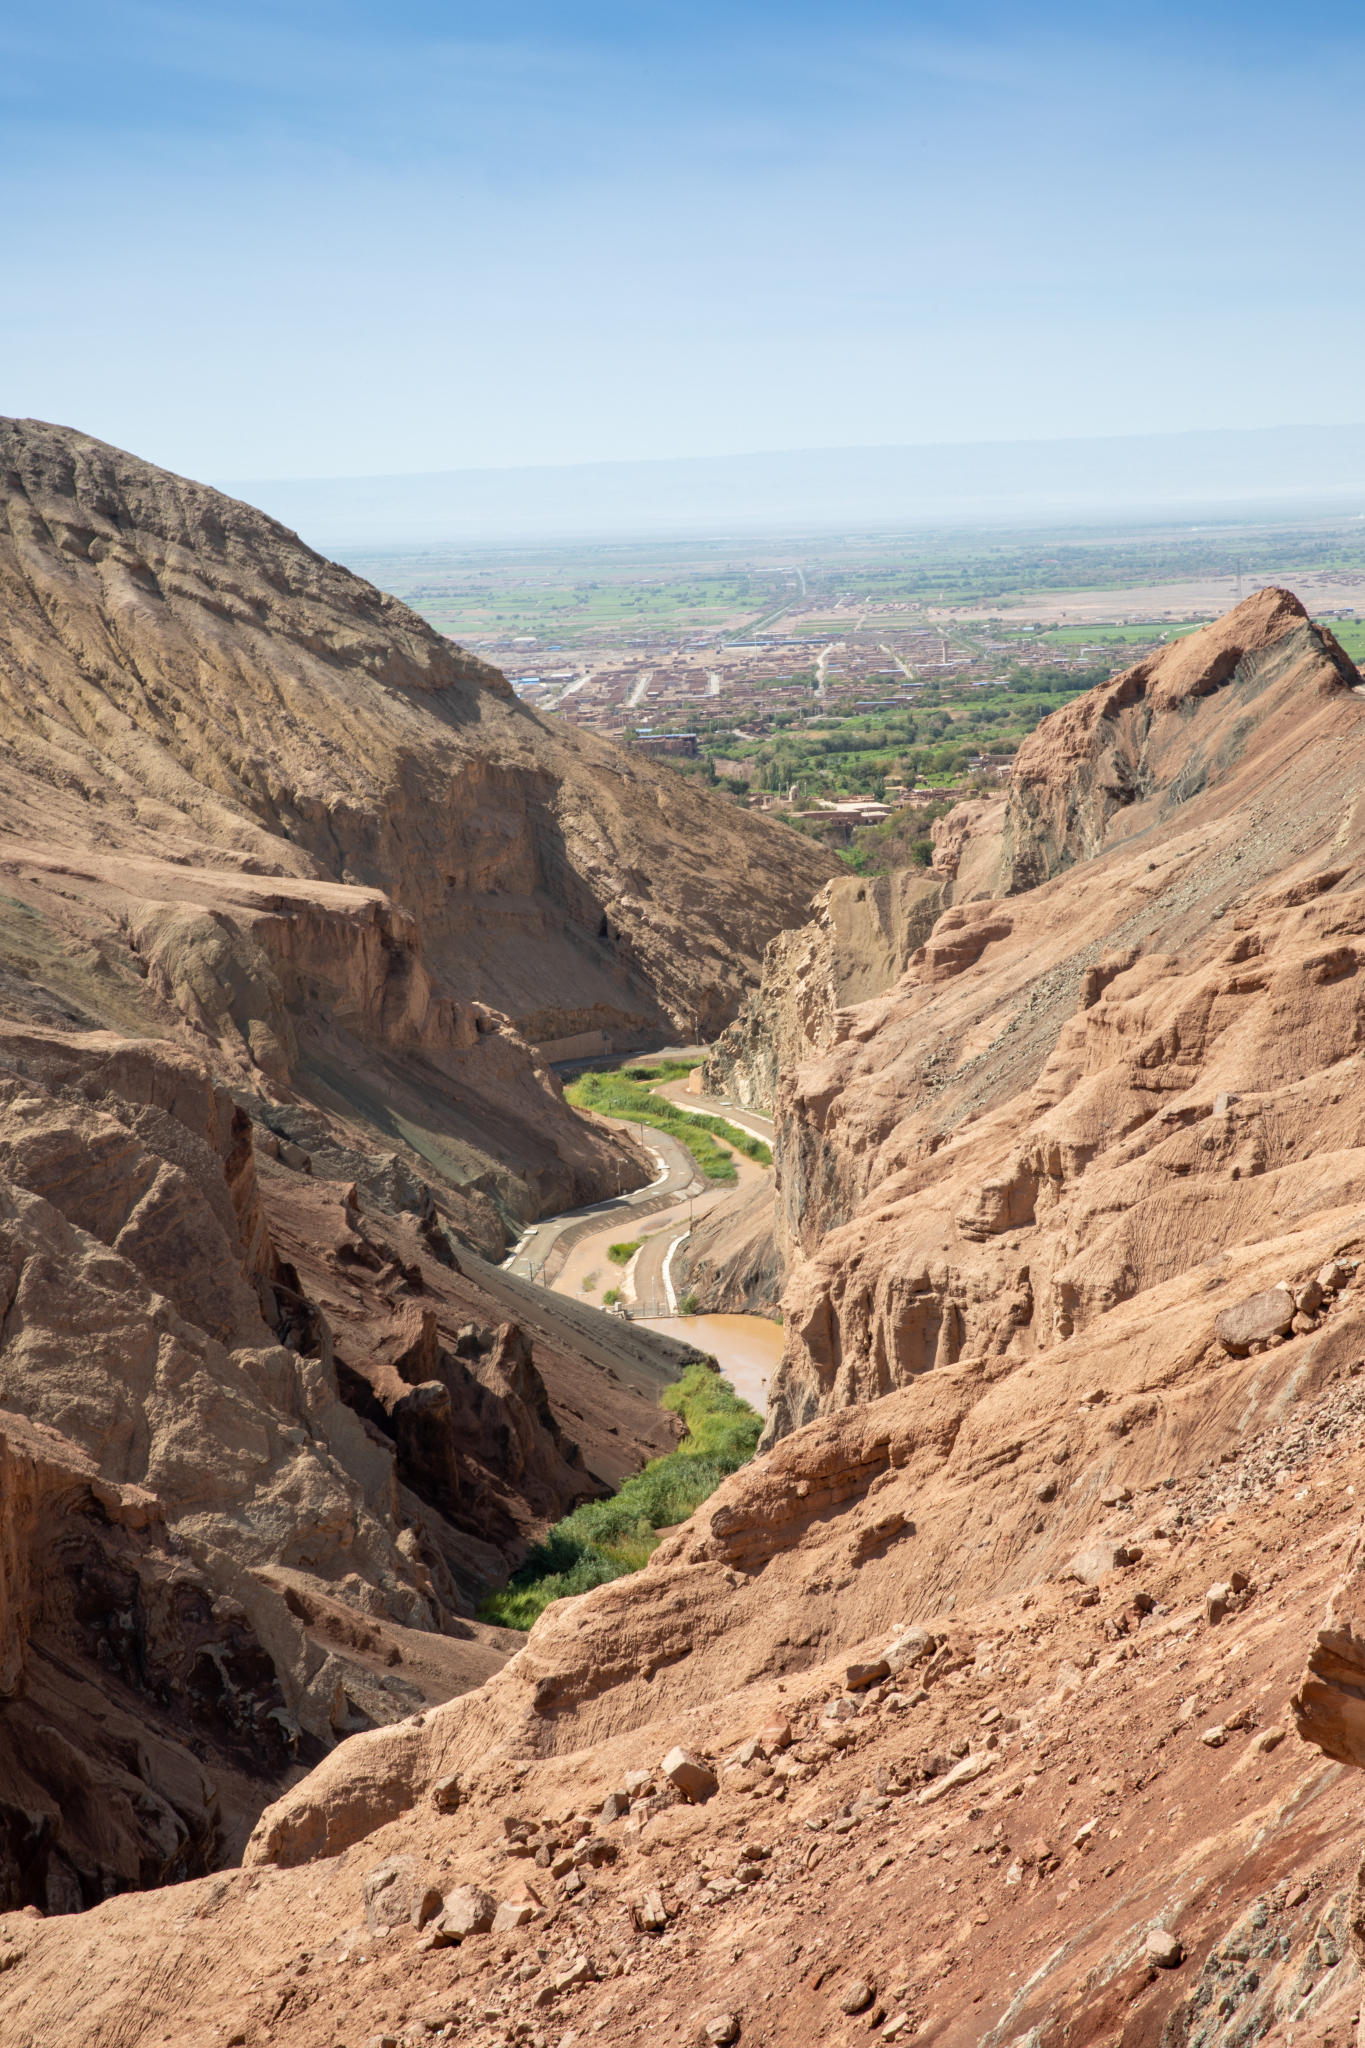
(612,1296)
(626,1094)
(622,1254)
(606,1539)
(589,1282)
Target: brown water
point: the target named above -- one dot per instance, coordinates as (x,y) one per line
(748,1348)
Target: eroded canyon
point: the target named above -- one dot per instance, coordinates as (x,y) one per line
(1010,1695)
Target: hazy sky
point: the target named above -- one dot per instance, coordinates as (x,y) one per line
(291,239)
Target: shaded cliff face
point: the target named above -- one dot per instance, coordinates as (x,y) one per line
(1077,1093)
(266,1438)
(860,934)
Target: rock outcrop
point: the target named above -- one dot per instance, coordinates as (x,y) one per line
(1077,1093)
(788,1737)
(1123,759)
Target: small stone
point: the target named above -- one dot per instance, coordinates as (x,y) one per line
(445,1793)
(510,1914)
(1215,1737)
(615,1806)
(579,1971)
(650,1915)
(639,1783)
(775,1735)
(572,1884)
(1241,1719)
(1296,1895)
(696,1781)
(857,1998)
(724,2027)
(1046,1489)
(856,1676)
(1164,1949)
(1216,1603)
(752,1752)
(1268,1739)
(1308,1299)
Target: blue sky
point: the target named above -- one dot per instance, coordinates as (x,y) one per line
(307,240)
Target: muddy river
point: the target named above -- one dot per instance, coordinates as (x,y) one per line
(748,1348)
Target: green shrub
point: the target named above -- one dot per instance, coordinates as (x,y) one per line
(606,1539)
(622,1254)
(612,1296)
(626,1094)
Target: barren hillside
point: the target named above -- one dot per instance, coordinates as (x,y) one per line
(1011,1695)
(291,892)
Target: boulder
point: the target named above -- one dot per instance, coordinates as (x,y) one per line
(1090,1565)
(1164,1949)
(399,1893)
(856,1676)
(468,1910)
(1255,1321)
(696,1781)
(650,1916)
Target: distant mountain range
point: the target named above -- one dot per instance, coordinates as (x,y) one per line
(1255,473)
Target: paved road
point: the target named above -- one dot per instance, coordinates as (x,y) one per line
(651,1290)
(542,1251)
(680,1172)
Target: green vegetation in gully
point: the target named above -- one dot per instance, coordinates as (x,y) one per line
(626,1093)
(606,1539)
